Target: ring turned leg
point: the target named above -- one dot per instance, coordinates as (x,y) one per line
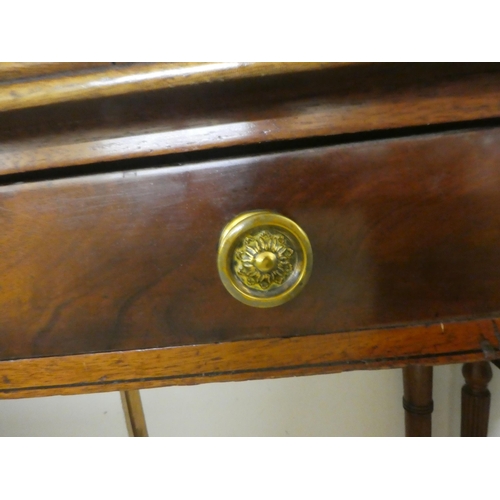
(417,400)
(476,399)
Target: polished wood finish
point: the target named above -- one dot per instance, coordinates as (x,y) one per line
(435,344)
(135,78)
(403,231)
(417,400)
(475,399)
(11,71)
(134,413)
(235,106)
(117,179)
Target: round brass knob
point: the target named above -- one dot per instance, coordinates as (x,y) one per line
(264,259)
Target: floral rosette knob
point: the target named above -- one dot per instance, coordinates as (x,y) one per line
(264,258)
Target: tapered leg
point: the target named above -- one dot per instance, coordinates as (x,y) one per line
(134,414)
(476,399)
(417,400)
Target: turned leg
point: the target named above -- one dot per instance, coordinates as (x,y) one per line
(475,399)
(417,400)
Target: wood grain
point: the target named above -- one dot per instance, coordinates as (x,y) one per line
(21,70)
(403,231)
(253,359)
(109,281)
(136,78)
(244,111)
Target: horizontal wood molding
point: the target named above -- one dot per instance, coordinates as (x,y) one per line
(343,100)
(440,343)
(134,78)
(11,71)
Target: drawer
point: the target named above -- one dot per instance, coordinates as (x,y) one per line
(403,231)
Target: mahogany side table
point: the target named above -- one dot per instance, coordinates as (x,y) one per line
(177,223)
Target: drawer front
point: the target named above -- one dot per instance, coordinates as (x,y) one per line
(402,231)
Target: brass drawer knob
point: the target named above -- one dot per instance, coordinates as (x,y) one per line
(264,258)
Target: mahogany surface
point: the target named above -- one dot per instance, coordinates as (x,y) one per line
(147,113)
(453,342)
(403,231)
(14,71)
(122,79)
(116,180)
